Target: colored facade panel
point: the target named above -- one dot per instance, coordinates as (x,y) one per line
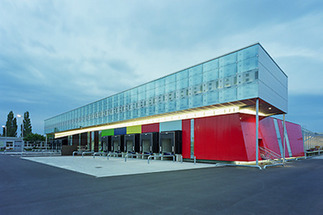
(120,131)
(186,138)
(134,129)
(295,139)
(150,128)
(281,129)
(248,126)
(293,133)
(171,126)
(268,131)
(280,136)
(287,143)
(219,138)
(108,132)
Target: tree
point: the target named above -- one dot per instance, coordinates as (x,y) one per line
(27,128)
(11,125)
(34,137)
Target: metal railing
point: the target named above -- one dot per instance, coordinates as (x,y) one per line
(113,153)
(99,153)
(268,154)
(161,156)
(273,157)
(313,141)
(77,152)
(131,155)
(88,152)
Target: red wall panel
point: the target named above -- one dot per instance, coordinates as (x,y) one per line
(248,125)
(219,138)
(269,136)
(295,137)
(186,138)
(281,131)
(270,140)
(150,128)
(232,137)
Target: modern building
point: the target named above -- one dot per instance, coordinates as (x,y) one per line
(220,109)
(13,144)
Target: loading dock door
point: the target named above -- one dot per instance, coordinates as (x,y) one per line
(131,143)
(170,142)
(117,143)
(106,143)
(149,143)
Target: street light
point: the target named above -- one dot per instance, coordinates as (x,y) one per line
(22,126)
(5,130)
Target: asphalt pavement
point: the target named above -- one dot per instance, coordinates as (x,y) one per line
(27,187)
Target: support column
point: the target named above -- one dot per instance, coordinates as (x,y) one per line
(284,138)
(257,129)
(69,142)
(100,142)
(92,140)
(192,139)
(80,140)
(88,142)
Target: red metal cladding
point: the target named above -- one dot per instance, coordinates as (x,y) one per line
(295,138)
(281,131)
(150,128)
(248,125)
(186,138)
(219,138)
(269,136)
(232,137)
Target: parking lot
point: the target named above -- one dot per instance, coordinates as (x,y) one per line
(29,187)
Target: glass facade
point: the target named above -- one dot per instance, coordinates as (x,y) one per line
(228,78)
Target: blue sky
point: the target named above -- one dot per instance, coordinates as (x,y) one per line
(58,55)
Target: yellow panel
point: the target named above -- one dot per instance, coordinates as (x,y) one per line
(134,129)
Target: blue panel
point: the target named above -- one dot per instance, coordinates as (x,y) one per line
(119,131)
(211,65)
(249,52)
(210,75)
(228,59)
(170,126)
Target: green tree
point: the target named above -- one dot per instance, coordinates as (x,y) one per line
(34,137)
(11,125)
(27,128)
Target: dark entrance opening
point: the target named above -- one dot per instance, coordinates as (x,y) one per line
(106,143)
(149,143)
(131,143)
(117,143)
(170,142)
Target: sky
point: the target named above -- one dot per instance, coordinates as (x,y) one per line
(59,55)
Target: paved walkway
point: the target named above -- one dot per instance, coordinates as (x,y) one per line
(101,167)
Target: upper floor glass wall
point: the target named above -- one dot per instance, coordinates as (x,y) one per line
(228,78)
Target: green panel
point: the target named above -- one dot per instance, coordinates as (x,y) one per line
(109,132)
(134,129)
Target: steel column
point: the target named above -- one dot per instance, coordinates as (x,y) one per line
(80,139)
(92,140)
(284,138)
(257,129)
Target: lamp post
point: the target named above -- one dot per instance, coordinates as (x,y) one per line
(5,130)
(22,132)
(22,126)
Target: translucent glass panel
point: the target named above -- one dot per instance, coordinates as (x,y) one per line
(225,79)
(273,82)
